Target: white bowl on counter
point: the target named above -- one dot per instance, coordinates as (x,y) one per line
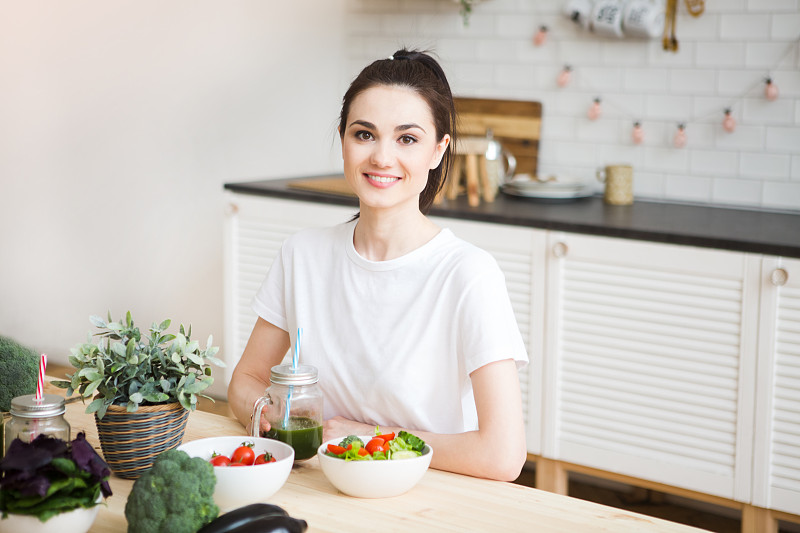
(239,486)
(76,521)
(373,479)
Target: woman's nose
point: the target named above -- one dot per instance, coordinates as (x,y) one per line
(381,155)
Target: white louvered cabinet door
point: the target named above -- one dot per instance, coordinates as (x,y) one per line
(777,451)
(650,360)
(520,254)
(255,228)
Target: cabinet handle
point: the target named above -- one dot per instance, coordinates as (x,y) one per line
(779,277)
(560,249)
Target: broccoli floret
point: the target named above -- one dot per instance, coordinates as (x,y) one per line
(350,439)
(416,443)
(175,496)
(19,371)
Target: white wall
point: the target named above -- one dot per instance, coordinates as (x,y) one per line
(723,57)
(120,122)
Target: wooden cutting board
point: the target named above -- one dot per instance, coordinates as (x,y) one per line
(516,124)
(328,184)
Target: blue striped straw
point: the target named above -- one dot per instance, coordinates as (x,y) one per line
(295,360)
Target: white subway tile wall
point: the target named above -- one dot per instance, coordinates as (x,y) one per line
(724,58)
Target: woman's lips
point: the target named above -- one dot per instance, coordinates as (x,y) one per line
(380,181)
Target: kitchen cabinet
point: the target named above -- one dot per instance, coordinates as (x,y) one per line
(649,360)
(670,363)
(776,483)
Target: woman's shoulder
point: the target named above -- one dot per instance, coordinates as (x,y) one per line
(467,257)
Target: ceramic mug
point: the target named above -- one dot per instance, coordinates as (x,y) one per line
(619,184)
(643,18)
(606,18)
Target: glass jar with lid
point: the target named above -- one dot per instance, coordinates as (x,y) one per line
(31,417)
(292,406)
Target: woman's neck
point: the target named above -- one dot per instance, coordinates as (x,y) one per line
(382,236)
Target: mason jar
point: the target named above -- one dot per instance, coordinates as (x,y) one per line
(31,418)
(292,406)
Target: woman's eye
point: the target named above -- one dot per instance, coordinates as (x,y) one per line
(363,135)
(407,139)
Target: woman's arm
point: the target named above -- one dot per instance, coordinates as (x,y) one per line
(497,450)
(265,348)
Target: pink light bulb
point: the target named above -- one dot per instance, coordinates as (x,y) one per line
(595,110)
(770,90)
(637,135)
(564,76)
(729,123)
(680,137)
(541,36)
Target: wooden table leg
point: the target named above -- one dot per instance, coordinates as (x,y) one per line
(473,192)
(551,476)
(758,520)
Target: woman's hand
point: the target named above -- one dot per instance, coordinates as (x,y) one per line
(339,427)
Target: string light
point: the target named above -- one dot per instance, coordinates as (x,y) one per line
(564,76)
(679,141)
(728,123)
(595,110)
(770,90)
(637,135)
(541,36)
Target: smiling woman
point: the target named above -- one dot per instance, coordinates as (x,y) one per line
(410,327)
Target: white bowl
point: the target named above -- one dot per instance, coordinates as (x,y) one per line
(373,479)
(242,485)
(75,521)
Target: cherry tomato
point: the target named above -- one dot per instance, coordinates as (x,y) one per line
(219,460)
(338,450)
(238,464)
(386,437)
(377,444)
(264,458)
(244,454)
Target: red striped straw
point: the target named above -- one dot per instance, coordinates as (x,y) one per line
(40,383)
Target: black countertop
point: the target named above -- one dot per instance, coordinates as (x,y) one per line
(756,231)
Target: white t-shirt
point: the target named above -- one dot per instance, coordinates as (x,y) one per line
(394,341)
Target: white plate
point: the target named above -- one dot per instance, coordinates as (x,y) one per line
(523,182)
(558,194)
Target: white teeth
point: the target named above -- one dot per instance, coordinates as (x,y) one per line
(381,179)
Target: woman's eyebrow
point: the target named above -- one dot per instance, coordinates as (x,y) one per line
(364,123)
(404,127)
(401,127)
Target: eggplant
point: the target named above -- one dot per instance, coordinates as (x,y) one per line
(230,521)
(273,524)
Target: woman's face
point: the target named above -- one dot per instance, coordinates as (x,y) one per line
(388,146)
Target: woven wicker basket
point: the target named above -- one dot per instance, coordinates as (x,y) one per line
(132,441)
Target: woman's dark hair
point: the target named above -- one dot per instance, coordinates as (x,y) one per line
(422,73)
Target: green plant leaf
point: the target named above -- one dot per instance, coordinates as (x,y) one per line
(157,397)
(136,397)
(95,406)
(98,322)
(119,349)
(92,387)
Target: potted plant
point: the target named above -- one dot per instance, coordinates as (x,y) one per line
(51,484)
(143,387)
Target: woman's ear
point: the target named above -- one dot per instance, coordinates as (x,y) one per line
(438,154)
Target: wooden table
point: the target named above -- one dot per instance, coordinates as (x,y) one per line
(440,502)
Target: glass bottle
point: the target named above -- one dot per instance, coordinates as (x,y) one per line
(292,405)
(31,418)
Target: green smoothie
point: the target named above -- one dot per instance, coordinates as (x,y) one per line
(303,434)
